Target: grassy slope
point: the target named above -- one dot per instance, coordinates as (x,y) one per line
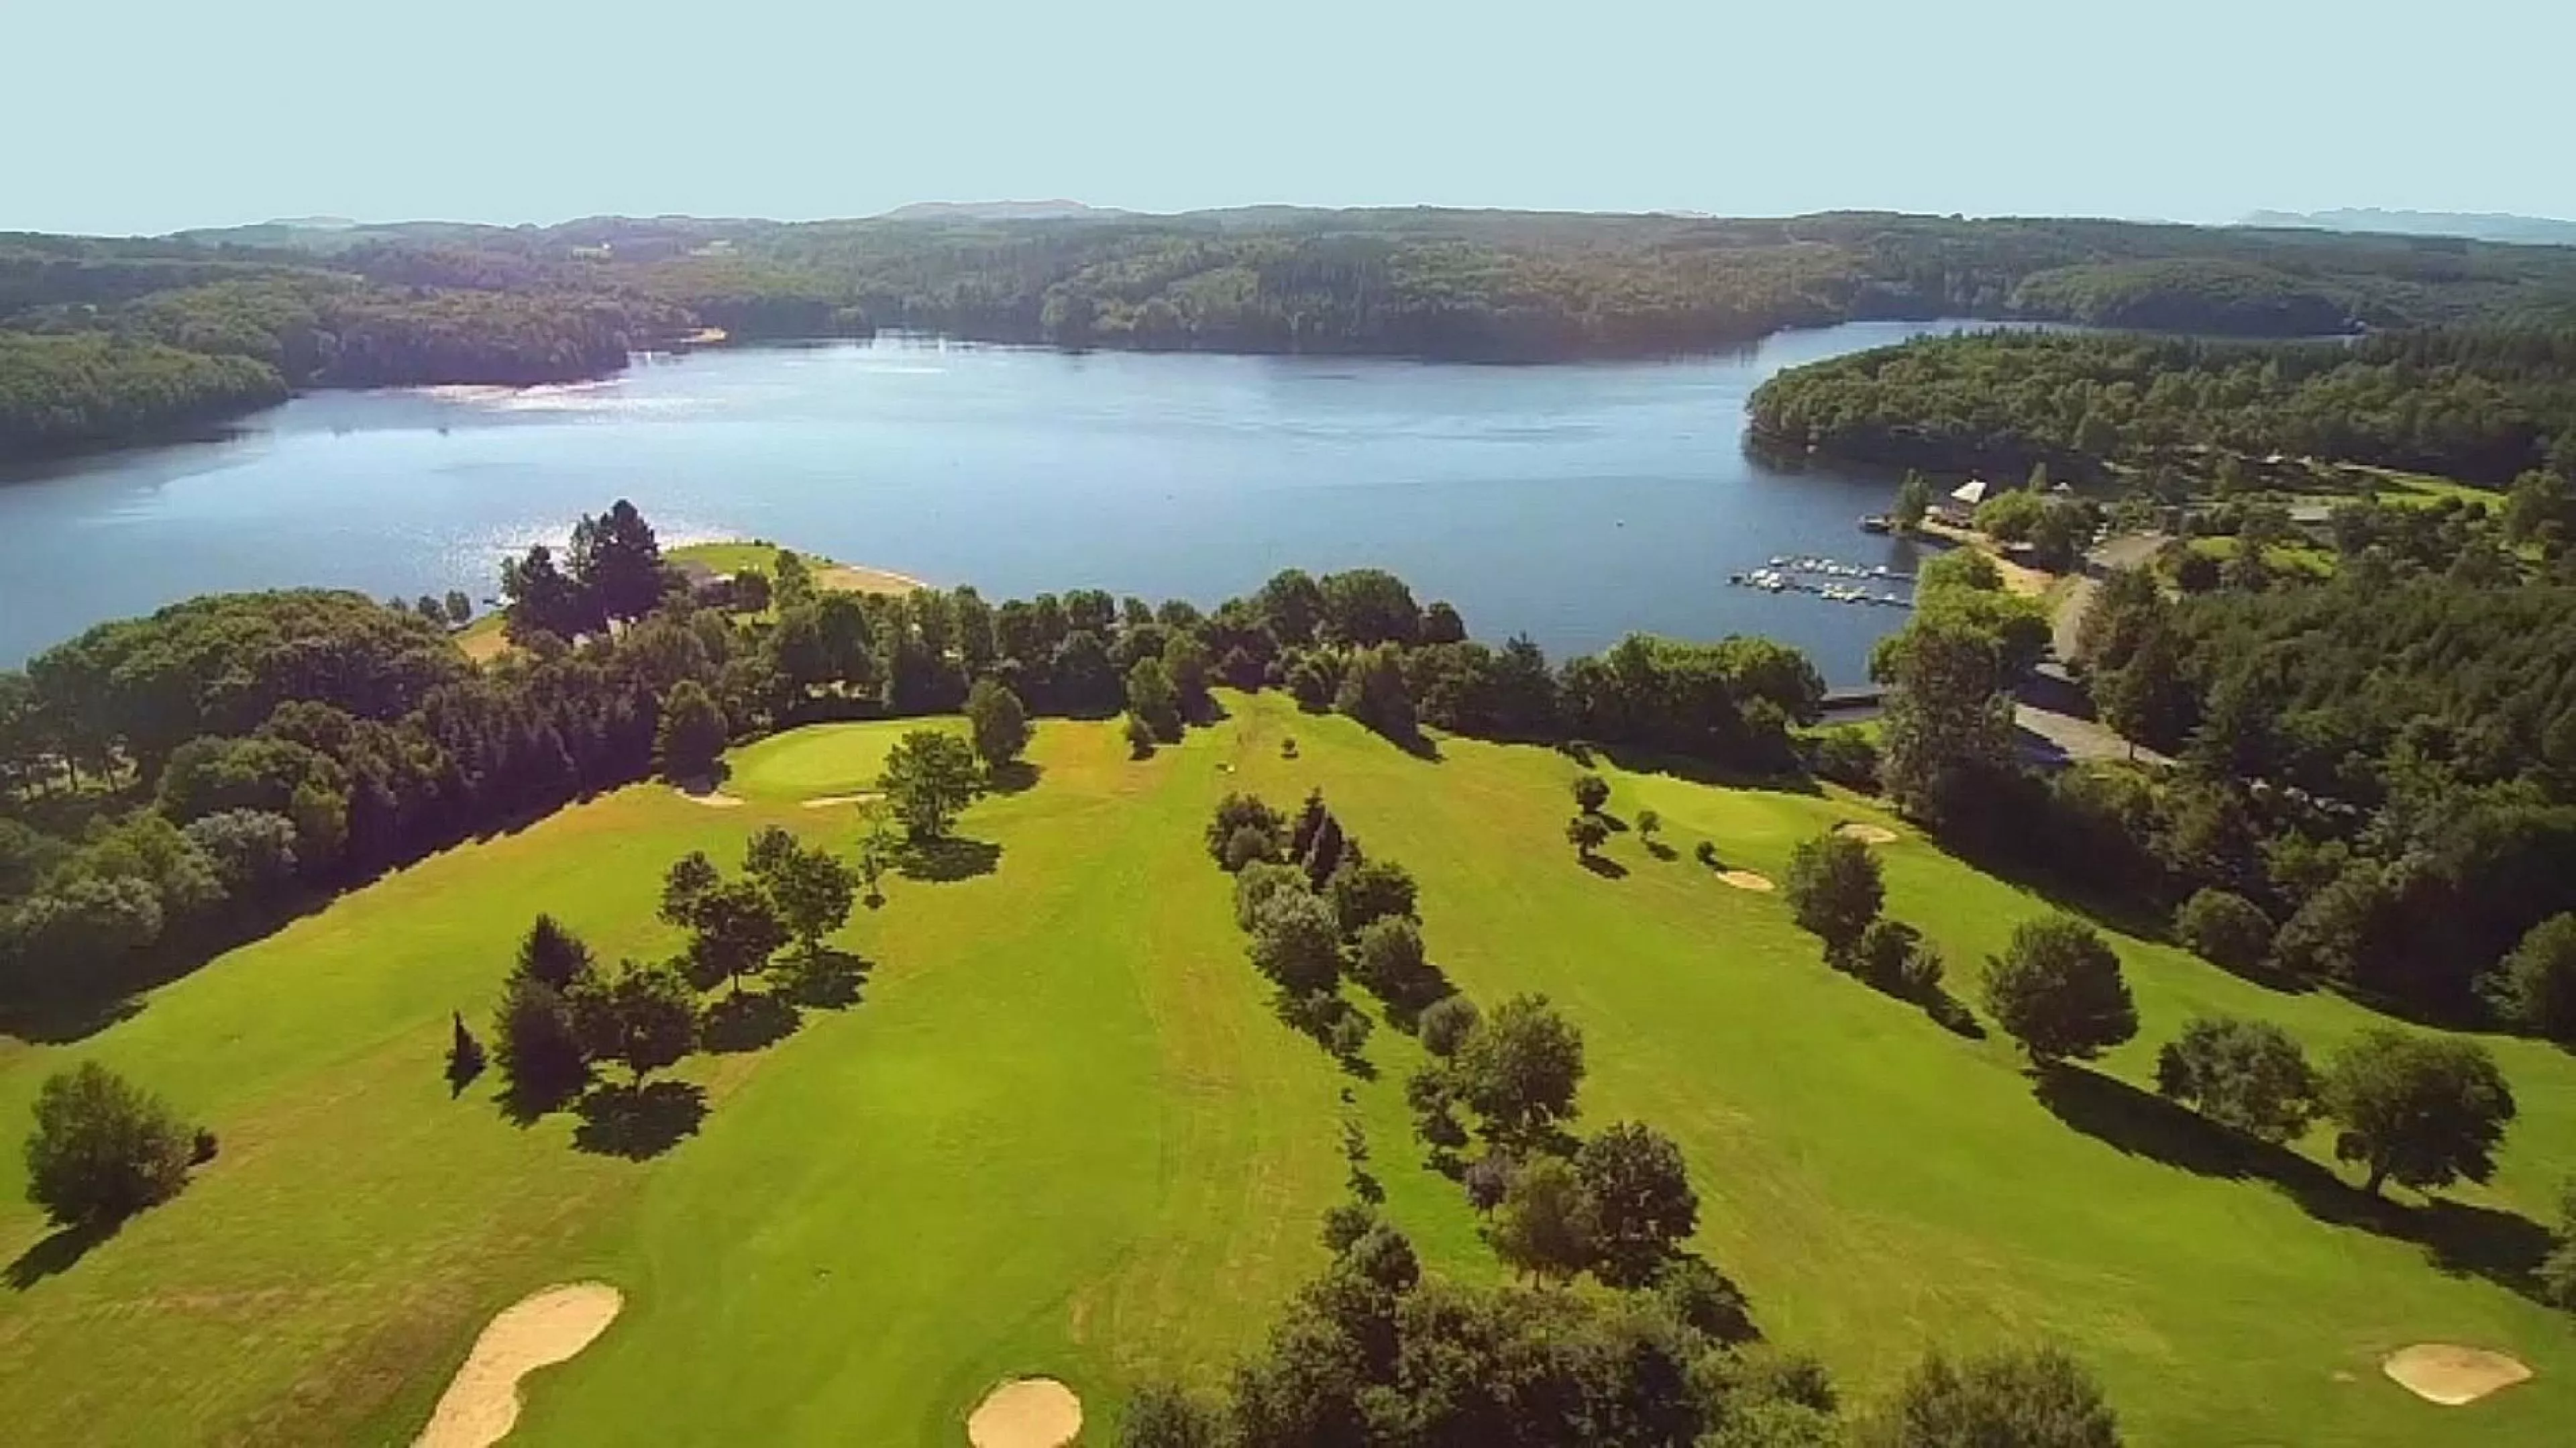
(1061,1133)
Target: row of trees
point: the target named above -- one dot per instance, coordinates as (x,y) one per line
(1375,1351)
(2423,1111)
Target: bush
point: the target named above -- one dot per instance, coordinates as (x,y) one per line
(1296,944)
(1140,738)
(1706,1300)
(1391,962)
(102,1149)
(2225,929)
(1892,956)
(1591,792)
(1835,890)
(2535,987)
(1706,853)
(1256,883)
(1446,1024)
(1349,1035)
(1163,1416)
(2249,1076)
(1249,845)
(2058,990)
(1846,756)
(1238,812)
(2041,1399)
(1371,890)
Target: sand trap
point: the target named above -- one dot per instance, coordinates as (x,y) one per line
(1746,880)
(829,800)
(2451,1376)
(1866,834)
(482,1402)
(709,795)
(1028,1413)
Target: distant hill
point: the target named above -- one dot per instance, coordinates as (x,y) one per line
(2477,226)
(999,211)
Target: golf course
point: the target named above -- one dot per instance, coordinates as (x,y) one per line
(1060,1133)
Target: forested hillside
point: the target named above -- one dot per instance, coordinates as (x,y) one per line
(2481,405)
(436,302)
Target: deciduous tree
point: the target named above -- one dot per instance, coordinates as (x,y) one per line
(102,1149)
(2058,990)
(930,776)
(2248,1076)
(2424,1111)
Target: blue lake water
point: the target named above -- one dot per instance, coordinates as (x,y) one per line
(1577,503)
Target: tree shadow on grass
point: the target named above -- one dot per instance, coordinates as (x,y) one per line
(56,1252)
(1017,777)
(2501,1247)
(527,1102)
(829,980)
(638,1123)
(953,858)
(1604,866)
(1662,851)
(1701,771)
(743,1021)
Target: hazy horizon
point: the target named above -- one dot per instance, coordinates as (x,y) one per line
(795,110)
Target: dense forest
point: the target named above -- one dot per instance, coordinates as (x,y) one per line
(65,392)
(435,302)
(2483,405)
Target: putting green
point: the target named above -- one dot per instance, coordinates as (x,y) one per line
(1061,1135)
(822,761)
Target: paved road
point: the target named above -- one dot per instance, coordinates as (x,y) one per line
(2129,550)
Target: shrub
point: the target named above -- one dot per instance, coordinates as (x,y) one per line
(2225,929)
(103,1148)
(1256,883)
(2535,987)
(1238,812)
(1846,756)
(2058,990)
(1140,738)
(1892,956)
(1371,890)
(1591,792)
(2249,1076)
(1295,942)
(1391,961)
(1706,853)
(2039,1399)
(1446,1024)
(1835,890)
(1349,1035)
(1704,1299)
(1249,845)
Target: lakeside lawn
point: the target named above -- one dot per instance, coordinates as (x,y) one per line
(1060,1132)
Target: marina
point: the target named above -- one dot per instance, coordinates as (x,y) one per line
(1827,579)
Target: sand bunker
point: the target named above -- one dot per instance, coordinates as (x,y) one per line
(1028,1413)
(2441,1373)
(710,796)
(829,800)
(482,1402)
(1746,880)
(1866,834)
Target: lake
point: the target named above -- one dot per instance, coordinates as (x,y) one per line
(1576,503)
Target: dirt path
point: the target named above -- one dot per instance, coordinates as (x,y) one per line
(481,1404)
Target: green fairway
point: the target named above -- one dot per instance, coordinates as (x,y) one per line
(1061,1132)
(823,761)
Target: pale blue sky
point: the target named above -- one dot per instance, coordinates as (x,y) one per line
(149,115)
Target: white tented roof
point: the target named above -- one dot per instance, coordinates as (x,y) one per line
(1972,492)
